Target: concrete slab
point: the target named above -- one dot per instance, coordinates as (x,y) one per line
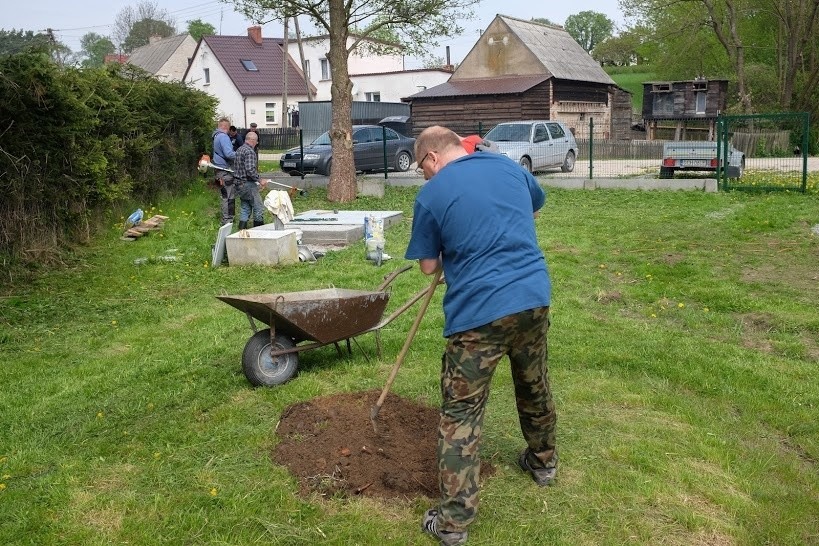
(344,227)
(371,187)
(218,253)
(262,247)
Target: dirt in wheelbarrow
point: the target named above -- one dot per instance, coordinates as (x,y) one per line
(330,445)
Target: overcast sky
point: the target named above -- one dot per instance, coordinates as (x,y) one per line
(71,20)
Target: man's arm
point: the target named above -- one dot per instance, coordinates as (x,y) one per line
(429,265)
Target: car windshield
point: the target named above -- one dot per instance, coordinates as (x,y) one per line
(506,132)
(322,140)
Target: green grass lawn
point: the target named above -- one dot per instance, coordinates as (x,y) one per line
(684,354)
(633,82)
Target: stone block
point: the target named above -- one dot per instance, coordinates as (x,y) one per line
(263,247)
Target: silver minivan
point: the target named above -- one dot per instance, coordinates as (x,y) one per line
(536,144)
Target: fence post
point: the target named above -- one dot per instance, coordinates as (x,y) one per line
(591,148)
(384,148)
(480,128)
(805,144)
(301,153)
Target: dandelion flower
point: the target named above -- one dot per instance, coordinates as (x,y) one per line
(705,309)
(653,315)
(157,455)
(100,415)
(2,486)
(213,492)
(681,305)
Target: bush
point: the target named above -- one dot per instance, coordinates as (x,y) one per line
(79,141)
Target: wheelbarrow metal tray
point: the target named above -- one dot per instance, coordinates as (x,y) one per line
(325,315)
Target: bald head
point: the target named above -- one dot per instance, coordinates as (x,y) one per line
(435,147)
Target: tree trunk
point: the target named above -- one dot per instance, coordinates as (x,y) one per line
(342,186)
(733,45)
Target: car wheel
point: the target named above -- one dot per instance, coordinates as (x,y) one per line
(568,163)
(328,168)
(403,162)
(526,163)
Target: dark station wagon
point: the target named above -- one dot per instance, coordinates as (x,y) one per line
(368,152)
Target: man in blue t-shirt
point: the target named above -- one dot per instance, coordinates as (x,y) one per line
(223,155)
(475,218)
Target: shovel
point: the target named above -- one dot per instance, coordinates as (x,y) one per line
(436,279)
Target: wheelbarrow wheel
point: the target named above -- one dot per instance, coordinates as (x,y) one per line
(263,370)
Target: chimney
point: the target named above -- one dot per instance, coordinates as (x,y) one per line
(154,38)
(255,34)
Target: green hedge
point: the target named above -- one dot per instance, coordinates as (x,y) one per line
(75,141)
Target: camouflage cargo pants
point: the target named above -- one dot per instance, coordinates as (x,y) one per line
(467,368)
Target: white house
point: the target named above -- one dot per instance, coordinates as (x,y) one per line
(376,77)
(165,58)
(245,74)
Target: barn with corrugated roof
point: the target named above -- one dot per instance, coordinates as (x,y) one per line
(522,70)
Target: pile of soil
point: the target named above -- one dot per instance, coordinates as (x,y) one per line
(329,443)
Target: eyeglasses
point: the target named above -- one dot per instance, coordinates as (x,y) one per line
(420,168)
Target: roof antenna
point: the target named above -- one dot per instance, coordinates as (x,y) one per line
(221,17)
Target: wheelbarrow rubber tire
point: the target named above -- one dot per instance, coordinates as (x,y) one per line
(260,368)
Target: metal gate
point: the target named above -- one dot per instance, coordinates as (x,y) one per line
(774,151)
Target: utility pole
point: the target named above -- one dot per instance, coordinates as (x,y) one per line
(285,66)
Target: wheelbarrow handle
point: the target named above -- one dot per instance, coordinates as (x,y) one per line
(391,276)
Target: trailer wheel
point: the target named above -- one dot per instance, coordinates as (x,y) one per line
(666,172)
(260,368)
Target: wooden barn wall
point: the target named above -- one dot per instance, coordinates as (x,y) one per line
(469,114)
(685,100)
(571,91)
(621,109)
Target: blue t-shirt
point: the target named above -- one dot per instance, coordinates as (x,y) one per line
(477,213)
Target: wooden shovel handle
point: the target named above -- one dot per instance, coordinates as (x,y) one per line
(410,336)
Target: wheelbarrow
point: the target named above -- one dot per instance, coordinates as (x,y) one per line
(300,321)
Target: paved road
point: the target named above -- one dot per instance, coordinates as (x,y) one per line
(602,169)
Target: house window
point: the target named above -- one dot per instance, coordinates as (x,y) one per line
(701,97)
(270,112)
(373,97)
(663,104)
(307,68)
(207,76)
(249,65)
(325,69)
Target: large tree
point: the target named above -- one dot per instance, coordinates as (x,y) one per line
(765,45)
(589,28)
(17,41)
(94,48)
(143,30)
(418,24)
(198,28)
(151,19)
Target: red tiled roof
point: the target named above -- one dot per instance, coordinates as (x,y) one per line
(268,58)
(481,86)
